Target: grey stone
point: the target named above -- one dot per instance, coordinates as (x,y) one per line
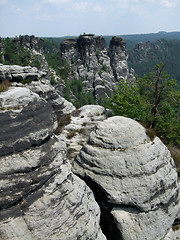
(30,42)
(83,121)
(42,199)
(45,90)
(91,58)
(25,119)
(17,73)
(137,176)
(40,196)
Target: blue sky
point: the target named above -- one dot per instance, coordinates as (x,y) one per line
(58,18)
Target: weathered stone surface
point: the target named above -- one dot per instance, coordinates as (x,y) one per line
(83,121)
(41,86)
(42,199)
(45,90)
(173,235)
(30,42)
(69,49)
(90,62)
(25,119)
(118,59)
(17,73)
(136,175)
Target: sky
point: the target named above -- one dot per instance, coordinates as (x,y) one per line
(57,18)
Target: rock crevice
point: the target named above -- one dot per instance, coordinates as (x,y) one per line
(98,68)
(142,178)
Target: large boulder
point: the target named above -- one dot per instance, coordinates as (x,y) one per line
(25,118)
(135,174)
(79,125)
(16,73)
(40,197)
(45,90)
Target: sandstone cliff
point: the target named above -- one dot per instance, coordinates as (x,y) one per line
(40,196)
(30,42)
(134,179)
(77,174)
(97,67)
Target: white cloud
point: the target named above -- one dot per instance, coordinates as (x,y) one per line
(3,2)
(81,6)
(97,8)
(169,3)
(58,1)
(36,8)
(18,10)
(44,17)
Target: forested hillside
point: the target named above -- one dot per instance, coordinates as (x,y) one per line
(12,52)
(145,55)
(146,50)
(142,58)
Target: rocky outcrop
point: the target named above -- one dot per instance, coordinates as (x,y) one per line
(40,196)
(100,70)
(81,123)
(16,73)
(1,50)
(69,50)
(26,120)
(37,81)
(134,177)
(45,90)
(30,42)
(118,58)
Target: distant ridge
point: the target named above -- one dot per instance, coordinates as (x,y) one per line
(131,39)
(153,36)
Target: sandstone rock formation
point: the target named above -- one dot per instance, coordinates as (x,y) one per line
(118,57)
(26,120)
(17,73)
(81,123)
(99,69)
(134,176)
(38,82)
(45,90)
(30,42)
(40,198)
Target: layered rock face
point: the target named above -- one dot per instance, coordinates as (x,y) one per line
(40,197)
(91,63)
(30,42)
(118,57)
(38,82)
(45,90)
(19,128)
(17,73)
(82,122)
(134,176)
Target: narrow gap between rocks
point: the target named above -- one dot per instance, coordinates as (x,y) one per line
(107,222)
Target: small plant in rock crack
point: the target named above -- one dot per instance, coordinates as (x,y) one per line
(63,121)
(71,134)
(4,85)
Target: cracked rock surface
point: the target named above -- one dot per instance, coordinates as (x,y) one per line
(136,175)
(82,122)
(25,119)
(19,73)
(40,197)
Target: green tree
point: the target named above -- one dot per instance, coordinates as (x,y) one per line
(128,102)
(154,100)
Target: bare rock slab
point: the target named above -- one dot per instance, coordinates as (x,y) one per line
(137,176)
(25,119)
